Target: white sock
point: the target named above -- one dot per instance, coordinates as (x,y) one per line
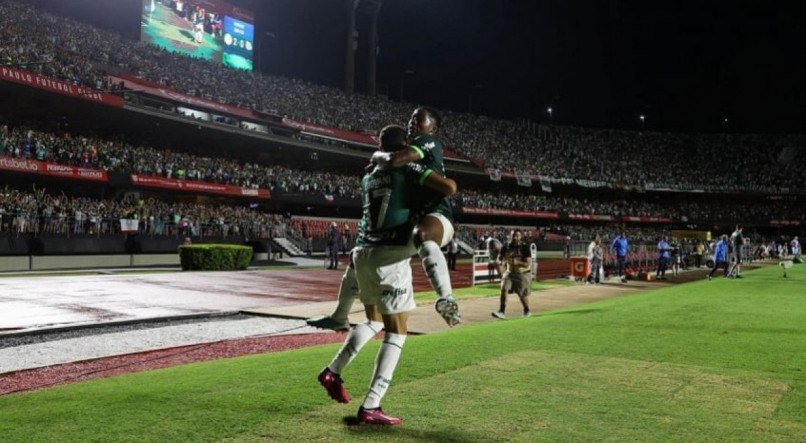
(347,293)
(436,268)
(356,339)
(385,364)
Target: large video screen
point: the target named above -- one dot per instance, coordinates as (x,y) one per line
(208,29)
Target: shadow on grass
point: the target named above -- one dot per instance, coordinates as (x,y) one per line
(401,432)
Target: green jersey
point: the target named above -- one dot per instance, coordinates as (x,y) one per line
(387,200)
(431,160)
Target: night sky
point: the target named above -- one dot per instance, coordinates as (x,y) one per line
(685,65)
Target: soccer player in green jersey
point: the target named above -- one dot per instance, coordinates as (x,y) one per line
(381,261)
(433,231)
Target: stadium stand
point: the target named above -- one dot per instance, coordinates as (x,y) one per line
(591,180)
(645,159)
(111,155)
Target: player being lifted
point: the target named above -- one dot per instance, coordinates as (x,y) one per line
(381,262)
(435,222)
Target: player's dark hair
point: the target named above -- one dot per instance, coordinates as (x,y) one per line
(393,138)
(433,114)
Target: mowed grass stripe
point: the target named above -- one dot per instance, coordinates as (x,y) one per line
(644,367)
(536,395)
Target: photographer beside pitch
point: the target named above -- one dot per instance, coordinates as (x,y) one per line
(381,261)
(518,277)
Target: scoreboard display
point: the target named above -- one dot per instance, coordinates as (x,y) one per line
(210,29)
(238,40)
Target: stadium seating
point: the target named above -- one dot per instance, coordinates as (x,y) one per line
(614,158)
(620,161)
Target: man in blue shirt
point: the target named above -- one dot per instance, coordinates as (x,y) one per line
(620,247)
(720,256)
(663,258)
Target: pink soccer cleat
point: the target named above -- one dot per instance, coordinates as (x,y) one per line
(377,417)
(333,383)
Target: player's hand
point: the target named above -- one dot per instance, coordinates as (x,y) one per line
(381,159)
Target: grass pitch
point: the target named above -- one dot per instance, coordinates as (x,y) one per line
(721,360)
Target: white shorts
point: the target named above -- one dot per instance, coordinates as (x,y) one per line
(384,278)
(447,228)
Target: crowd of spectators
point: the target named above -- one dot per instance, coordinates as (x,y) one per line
(39,211)
(645,239)
(563,233)
(646,235)
(116,155)
(722,162)
(574,238)
(80,53)
(695,211)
